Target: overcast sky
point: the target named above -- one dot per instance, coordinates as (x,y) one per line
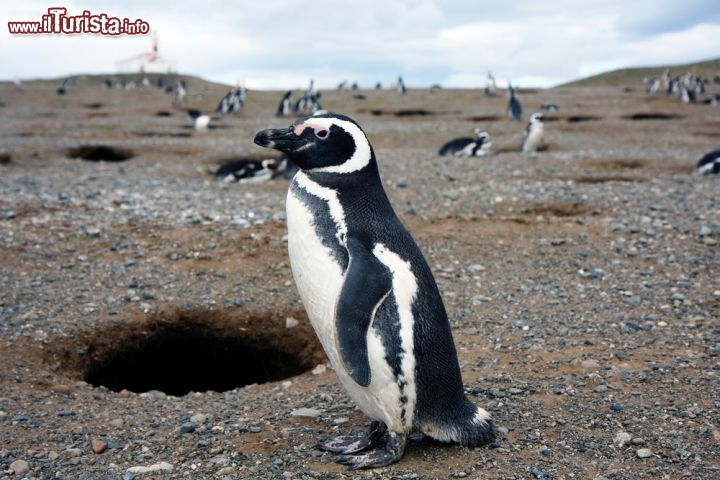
(281,44)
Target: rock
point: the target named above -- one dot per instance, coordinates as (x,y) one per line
(306,412)
(643,453)
(198,418)
(600,389)
(158,467)
(187,428)
(20,467)
(291,322)
(637,441)
(617,407)
(622,439)
(589,363)
(98,445)
(319,369)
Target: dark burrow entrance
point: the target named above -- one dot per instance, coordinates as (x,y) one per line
(186,351)
(97,153)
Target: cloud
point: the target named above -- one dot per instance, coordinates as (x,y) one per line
(283,43)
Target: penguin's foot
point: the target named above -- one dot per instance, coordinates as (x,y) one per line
(357,441)
(390,452)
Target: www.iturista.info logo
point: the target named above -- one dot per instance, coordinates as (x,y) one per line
(58,21)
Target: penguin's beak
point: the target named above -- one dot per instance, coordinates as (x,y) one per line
(283,139)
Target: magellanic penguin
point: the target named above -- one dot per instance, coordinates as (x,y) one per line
(534,137)
(476,146)
(709,164)
(370,296)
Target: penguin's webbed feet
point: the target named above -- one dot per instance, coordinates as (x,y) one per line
(388,453)
(357,441)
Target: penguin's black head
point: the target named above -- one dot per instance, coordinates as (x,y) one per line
(327,143)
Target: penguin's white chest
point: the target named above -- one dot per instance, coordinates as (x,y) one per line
(534,140)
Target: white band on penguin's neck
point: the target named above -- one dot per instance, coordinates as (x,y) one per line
(361,157)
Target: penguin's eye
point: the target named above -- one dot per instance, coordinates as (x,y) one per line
(321,133)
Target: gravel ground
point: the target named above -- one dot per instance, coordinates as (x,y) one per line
(151,329)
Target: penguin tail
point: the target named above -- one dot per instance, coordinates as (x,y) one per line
(468,425)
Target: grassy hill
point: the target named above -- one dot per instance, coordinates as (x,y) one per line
(633,76)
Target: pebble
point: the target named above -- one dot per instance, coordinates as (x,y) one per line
(319,369)
(158,467)
(291,322)
(98,445)
(637,441)
(306,412)
(600,389)
(20,467)
(622,439)
(643,453)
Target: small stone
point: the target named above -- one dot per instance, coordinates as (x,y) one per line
(53,455)
(677,297)
(187,428)
(589,363)
(643,453)
(319,369)
(622,439)
(617,407)
(117,423)
(20,467)
(637,441)
(291,322)
(239,302)
(705,231)
(600,389)
(255,429)
(340,420)
(158,467)
(73,452)
(98,445)
(66,413)
(306,412)
(198,418)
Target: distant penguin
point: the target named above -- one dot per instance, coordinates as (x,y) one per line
(284,106)
(200,120)
(248,171)
(514,109)
(534,137)
(62,90)
(709,164)
(490,87)
(179,93)
(477,146)
(401,85)
(370,296)
(549,107)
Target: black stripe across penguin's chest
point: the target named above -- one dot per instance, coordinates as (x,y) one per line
(328,218)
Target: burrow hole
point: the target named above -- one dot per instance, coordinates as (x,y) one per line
(184,351)
(97,153)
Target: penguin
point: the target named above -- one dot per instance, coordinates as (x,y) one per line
(200,120)
(284,106)
(370,297)
(477,146)
(709,164)
(534,137)
(401,85)
(248,171)
(514,109)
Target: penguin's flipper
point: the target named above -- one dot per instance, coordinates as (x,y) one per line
(367,284)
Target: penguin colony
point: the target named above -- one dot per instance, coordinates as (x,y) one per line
(370,297)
